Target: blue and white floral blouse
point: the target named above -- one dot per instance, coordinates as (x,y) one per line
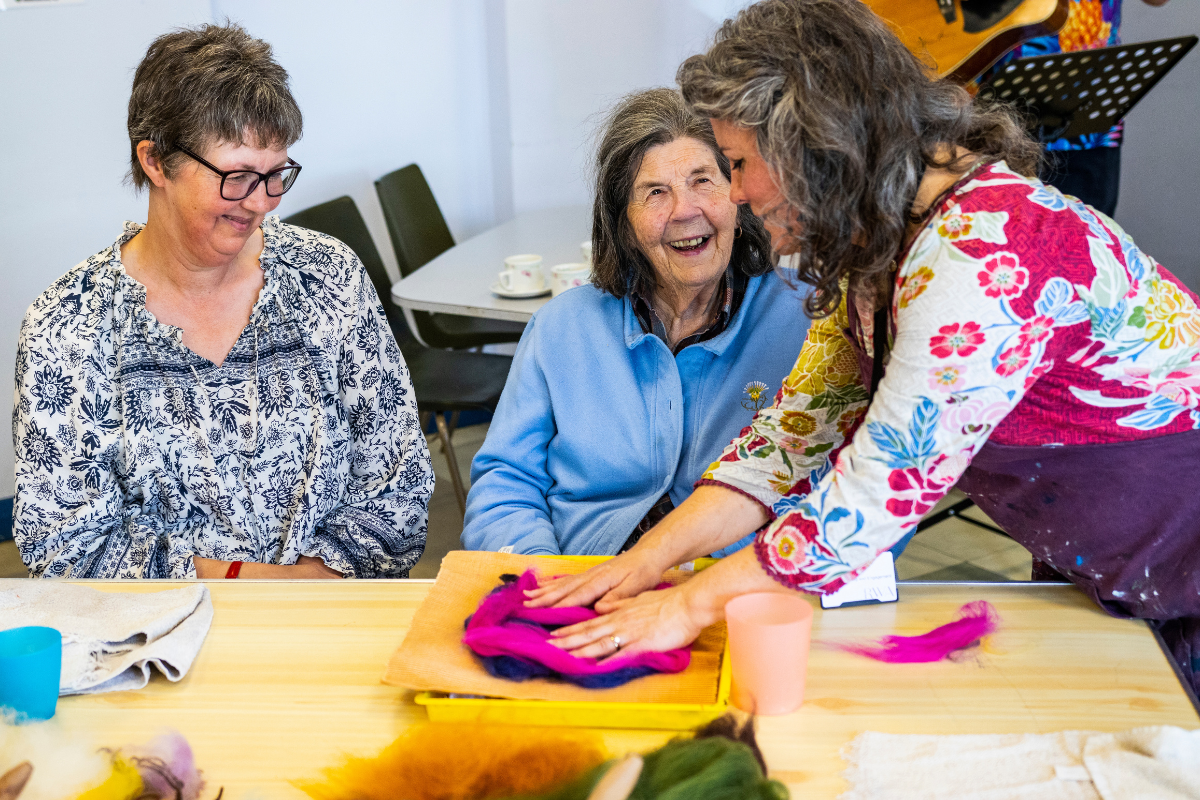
(135,454)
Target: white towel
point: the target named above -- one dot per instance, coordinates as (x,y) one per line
(1159,762)
(110,639)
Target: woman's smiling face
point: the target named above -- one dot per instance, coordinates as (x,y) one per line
(212,228)
(753,183)
(681,213)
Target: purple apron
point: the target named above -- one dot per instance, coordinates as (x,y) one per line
(1121,521)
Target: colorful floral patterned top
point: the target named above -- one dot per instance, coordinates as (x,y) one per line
(1020,316)
(135,454)
(1090,24)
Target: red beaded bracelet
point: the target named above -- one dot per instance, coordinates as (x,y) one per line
(234,569)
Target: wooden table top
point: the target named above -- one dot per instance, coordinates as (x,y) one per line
(459,281)
(289,679)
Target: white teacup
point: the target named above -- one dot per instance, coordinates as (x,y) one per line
(586,249)
(523,273)
(568,276)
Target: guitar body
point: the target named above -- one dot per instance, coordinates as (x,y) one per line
(977,38)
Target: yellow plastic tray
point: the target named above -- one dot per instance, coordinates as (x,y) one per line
(661,716)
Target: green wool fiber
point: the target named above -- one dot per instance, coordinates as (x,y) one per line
(713,768)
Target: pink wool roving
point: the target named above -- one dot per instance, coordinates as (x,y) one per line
(513,642)
(975,620)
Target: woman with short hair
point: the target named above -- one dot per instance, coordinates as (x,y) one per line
(216,388)
(622,392)
(1001,336)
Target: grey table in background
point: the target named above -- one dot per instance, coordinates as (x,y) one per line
(459,281)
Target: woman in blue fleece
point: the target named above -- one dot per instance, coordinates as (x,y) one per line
(622,392)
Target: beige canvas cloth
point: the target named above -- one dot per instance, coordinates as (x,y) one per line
(1159,762)
(111,639)
(433,657)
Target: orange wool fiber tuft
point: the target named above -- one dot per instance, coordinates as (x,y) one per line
(462,762)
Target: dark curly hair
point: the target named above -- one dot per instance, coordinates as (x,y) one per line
(847,120)
(639,122)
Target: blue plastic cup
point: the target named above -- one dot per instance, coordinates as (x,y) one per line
(30,669)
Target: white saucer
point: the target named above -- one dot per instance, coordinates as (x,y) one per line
(500,291)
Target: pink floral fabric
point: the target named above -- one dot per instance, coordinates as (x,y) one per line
(1021,316)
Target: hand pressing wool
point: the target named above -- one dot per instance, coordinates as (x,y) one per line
(512,641)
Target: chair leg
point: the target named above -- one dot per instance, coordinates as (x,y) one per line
(412,324)
(453,422)
(455,478)
(437,415)
(956,512)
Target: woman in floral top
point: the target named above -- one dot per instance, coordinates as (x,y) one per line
(1019,345)
(216,387)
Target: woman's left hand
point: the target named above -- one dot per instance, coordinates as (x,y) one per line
(653,621)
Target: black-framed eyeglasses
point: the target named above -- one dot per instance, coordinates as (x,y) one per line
(238,184)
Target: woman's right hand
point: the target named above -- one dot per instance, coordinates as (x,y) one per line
(625,575)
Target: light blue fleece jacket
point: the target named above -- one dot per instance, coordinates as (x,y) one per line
(598,420)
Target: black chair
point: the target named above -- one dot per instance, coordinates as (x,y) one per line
(419,234)
(445,381)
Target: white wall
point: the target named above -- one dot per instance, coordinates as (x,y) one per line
(1160,170)
(383,84)
(568,63)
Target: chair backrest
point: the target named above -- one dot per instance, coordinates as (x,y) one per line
(340,219)
(414,221)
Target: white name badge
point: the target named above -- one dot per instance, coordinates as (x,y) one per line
(876,584)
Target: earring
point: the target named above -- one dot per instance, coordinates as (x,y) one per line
(737,232)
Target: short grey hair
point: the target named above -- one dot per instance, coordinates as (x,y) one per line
(847,120)
(212,83)
(637,123)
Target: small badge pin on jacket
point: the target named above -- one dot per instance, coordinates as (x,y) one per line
(757,392)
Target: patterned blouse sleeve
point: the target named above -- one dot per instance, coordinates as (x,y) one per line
(379,529)
(71,517)
(791,442)
(961,360)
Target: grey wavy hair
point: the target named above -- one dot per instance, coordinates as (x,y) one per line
(208,84)
(637,123)
(847,120)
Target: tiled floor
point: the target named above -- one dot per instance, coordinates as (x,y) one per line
(952,551)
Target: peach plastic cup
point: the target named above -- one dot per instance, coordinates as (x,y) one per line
(768,651)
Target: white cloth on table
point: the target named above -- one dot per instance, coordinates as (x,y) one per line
(110,639)
(1160,762)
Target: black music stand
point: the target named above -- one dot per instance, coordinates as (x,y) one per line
(1087,91)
